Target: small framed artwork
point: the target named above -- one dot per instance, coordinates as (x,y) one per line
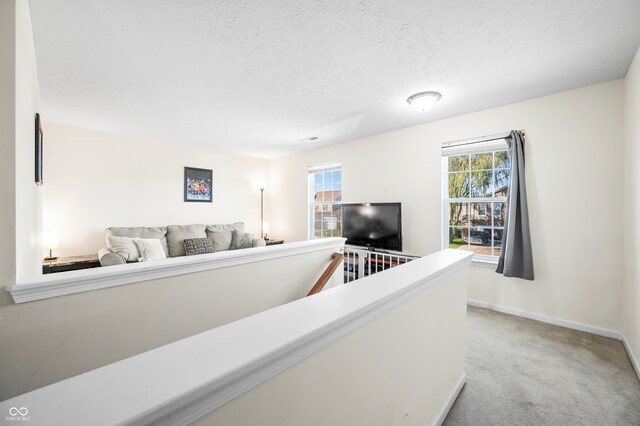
(38,159)
(198,185)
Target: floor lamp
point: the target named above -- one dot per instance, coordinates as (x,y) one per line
(261,212)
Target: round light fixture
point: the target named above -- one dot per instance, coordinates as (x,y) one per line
(424,101)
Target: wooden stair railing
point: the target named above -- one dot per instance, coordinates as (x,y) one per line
(319,285)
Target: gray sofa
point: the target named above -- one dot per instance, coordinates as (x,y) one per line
(172,239)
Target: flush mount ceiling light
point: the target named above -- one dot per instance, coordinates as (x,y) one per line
(311,139)
(424,101)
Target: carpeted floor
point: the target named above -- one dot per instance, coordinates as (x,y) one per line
(524,372)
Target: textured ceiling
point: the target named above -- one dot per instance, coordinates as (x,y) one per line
(254,77)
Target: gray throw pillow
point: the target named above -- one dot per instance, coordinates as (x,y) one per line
(226,229)
(193,246)
(176,234)
(241,240)
(221,239)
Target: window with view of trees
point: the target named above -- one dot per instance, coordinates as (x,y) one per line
(475,201)
(325,198)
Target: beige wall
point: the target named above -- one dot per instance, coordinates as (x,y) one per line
(574,176)
(631,293)
(7,143)
(49,340)
(95,180)
(400,368)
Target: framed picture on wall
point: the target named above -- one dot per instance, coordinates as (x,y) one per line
(198,185)
(38,159)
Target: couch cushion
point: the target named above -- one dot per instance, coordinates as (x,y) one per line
(139,232)
(221,235)
(194,246)
(124,247)
(241,240)
(150,249)
(221,239)
(176,234)
(230,227)
(258,242)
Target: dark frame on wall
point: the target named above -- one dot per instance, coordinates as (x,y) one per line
(198,185)
(38,150)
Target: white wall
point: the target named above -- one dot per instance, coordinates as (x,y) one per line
(399,369)
(28,194)
(574,176)
(94,180)
(49,340)
(631,293)
(21,210)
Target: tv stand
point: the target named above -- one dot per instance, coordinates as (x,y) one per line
(377,250)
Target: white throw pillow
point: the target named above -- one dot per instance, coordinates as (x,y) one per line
(150,249)
(125,247)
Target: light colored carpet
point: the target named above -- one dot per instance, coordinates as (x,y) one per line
(524,372)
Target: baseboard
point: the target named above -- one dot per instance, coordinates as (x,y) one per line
(543,318)
(452,399)
(632,357)
(635,362)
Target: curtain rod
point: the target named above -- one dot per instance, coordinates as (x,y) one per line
(477,140)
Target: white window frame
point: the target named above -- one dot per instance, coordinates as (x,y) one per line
(324,205)
(481,146)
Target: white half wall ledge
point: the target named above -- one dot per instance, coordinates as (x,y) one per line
(64,283)
(493,264)
(178,383)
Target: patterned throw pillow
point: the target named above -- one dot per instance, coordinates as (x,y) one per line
(193,246)
(241,240)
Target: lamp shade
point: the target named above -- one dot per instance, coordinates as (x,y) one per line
(50,239)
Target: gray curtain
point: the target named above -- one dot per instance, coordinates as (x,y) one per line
(516,259)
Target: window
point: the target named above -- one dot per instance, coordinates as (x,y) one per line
(476,181)
(325,198)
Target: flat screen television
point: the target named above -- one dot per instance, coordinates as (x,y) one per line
(373,225)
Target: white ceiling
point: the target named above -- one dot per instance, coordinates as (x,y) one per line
(254,77)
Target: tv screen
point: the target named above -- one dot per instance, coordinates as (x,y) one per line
(374,225)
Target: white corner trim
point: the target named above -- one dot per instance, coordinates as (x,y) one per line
(54,285)
(452,399)
(635,362)
(544,318)
(211,368)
